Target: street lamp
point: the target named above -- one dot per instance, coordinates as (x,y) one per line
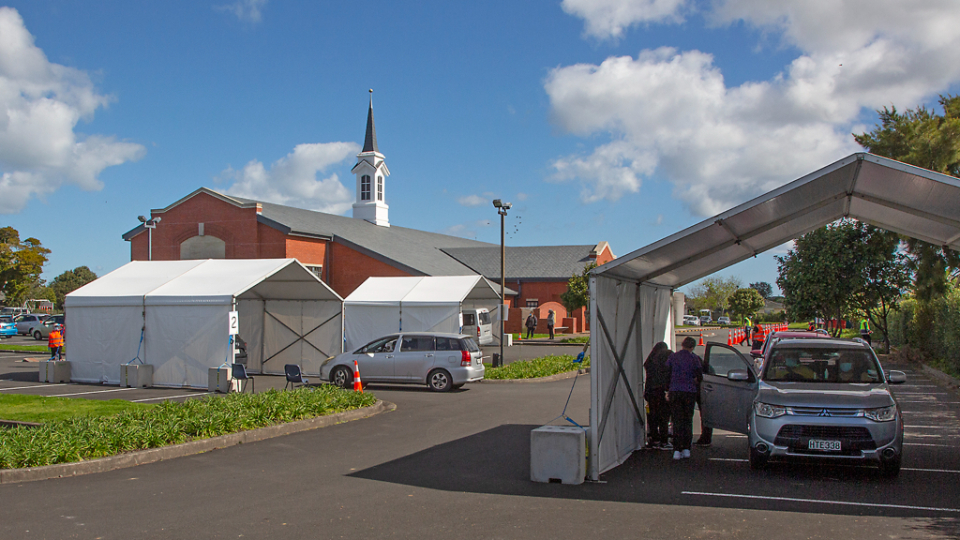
(502,208)
(150,225)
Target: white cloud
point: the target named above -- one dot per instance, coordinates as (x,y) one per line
(472,200)
(522,196)
(292,179)
(40,105)
(467,230)
(607,19)
(245,10)
(670,112)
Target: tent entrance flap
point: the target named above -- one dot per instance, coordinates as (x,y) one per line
(621,375)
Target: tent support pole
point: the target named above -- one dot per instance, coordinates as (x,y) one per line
(595,372)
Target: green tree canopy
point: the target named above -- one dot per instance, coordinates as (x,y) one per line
(578,289)
(713,292)
(21,263)
(70,281)
(745,302)
(762,287)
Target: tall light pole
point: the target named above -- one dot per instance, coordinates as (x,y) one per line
(502,208)
(150,225)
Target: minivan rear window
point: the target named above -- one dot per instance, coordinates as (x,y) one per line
(484,317)
(448,344)
(470,344)
(417,343)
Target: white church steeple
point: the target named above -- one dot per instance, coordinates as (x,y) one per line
(372,173)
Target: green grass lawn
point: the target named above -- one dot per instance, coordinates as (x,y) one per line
(517,337)
(537,367)
(30,348)
(50,409)
(84,437)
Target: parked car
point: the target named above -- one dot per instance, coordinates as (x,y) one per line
(813,398)
(691,320)
(42,330)
(477,323)
(8,328)
(441,361)
(705,320)
(27,321)
(723,320)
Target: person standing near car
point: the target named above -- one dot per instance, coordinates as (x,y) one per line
(55,342)
(656,384)
(686,372)
(748,326)
(531,324)
(865,330)
(551,321)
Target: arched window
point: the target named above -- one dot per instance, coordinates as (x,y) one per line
(379,188)
(365,187)
(203,247)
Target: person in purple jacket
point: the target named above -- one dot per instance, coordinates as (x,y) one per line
(686,372)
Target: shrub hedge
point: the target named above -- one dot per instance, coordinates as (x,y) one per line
(84,438)
(934,329)
(538,367)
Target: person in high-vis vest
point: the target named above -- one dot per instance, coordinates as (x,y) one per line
(55,342)
(865,331)
(747,327)
(758,336)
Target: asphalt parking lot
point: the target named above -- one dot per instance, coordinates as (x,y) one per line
(457,465)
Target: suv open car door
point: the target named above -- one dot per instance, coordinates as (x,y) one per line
(728,390)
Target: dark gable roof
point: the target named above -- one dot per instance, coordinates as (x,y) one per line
(417,252)
(554,263)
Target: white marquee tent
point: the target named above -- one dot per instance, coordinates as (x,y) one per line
(630,296)
(382,305)
(179,310)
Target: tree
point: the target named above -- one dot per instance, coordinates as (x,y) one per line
(70,281)
(578,290)
(746,302)
(764,288)
(885,277)
(713,293)
(821,274)
(21,263)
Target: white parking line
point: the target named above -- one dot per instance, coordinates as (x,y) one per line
(919,393)
(95,392)
(931,402)
(169,397)
(928,427)
(928,444)
(818,501)
(34,386)
(948,471)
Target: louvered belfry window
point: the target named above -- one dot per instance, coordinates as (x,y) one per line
(379,188)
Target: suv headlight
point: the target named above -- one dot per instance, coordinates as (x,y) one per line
(768,411)
(883,414)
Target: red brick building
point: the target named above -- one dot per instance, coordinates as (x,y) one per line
(345,251)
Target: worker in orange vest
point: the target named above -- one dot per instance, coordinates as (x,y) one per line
(55,342)
(758,336)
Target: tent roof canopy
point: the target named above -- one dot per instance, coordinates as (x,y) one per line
(882,192)
(422,290)
(216,281)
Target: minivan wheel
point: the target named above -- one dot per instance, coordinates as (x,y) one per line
(758,460)
(37,335)
(439,381)
(341,377)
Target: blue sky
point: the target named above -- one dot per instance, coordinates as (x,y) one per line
(615,120)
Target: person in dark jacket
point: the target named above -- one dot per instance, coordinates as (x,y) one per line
(531,324)
(656,383)
(686,372)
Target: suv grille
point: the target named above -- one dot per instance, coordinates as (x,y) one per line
(850,437)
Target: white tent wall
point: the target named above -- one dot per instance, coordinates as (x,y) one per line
(297,332)
(430,318)
(251,316)
(180,347)
(105,337)
(627,320)
(368,321)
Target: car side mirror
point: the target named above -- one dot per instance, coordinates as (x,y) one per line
(756,354)
(738,375)
(896,377)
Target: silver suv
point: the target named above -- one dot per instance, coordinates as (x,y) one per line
(823,398)
(441,361)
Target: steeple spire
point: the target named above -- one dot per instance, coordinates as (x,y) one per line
(370,139)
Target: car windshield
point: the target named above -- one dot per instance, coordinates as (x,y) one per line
(821,364)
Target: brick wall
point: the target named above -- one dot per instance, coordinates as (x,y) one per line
(349,268)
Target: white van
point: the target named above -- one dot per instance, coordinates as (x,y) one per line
(477,324)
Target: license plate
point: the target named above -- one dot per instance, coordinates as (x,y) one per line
(829,446)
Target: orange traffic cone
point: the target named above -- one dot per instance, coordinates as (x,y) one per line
(357,385)
(701,340)
(729,338)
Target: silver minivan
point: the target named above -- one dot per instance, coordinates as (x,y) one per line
(813,398)
(441,361)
